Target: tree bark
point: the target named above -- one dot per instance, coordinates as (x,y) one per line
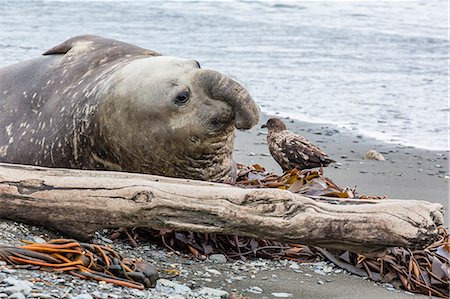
(78,202)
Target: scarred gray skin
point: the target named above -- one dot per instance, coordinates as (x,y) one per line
(97,103)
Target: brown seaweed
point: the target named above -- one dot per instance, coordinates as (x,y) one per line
(425,271)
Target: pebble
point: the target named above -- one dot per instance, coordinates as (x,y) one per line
(327,268)
(106,240)
(167,286)
(219,258)
(282,295)
(212,293)
(18,286)
(255,290)
(42,296)
(213,272)
(318,271)
(38,240)
(16,296)
(259,263)
(83,296)
(251,154)
(237,278)
(137,293)
(373,155)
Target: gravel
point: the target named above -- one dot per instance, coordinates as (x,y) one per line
(212,277)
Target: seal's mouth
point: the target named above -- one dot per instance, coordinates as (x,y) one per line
(208,158)
(221,123)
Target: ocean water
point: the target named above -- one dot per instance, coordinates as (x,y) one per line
(377,67)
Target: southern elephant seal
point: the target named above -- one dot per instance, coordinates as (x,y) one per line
(97,103)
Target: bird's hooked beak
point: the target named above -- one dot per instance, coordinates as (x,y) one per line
(264,126)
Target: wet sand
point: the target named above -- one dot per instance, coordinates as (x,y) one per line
(407,173)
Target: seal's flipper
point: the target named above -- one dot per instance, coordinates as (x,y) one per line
(65,47)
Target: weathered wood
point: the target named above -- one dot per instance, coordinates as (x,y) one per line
(78,202)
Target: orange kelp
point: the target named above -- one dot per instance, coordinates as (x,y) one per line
(86,261)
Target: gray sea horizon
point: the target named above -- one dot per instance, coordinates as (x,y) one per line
(379,68)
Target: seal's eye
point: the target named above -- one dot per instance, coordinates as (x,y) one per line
(182,98)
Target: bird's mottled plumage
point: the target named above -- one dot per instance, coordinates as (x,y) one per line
(291,150)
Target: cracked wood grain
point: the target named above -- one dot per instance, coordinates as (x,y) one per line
(78,202)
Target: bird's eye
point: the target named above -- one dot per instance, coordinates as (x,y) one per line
(182,98)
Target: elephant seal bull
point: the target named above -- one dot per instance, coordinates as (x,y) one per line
(98,103)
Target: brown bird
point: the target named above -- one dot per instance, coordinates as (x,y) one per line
(291,150)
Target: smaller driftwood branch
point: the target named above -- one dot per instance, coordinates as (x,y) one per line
(78,202)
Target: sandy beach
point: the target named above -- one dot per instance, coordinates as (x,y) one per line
(377,66)
(407,173)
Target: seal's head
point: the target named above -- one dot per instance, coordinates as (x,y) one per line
(167,116)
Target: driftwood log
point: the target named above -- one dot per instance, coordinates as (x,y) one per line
(78,202)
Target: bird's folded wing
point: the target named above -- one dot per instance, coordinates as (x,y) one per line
(299,150)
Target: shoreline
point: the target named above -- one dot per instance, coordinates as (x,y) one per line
(407,172)
(397,177)
(367,133)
